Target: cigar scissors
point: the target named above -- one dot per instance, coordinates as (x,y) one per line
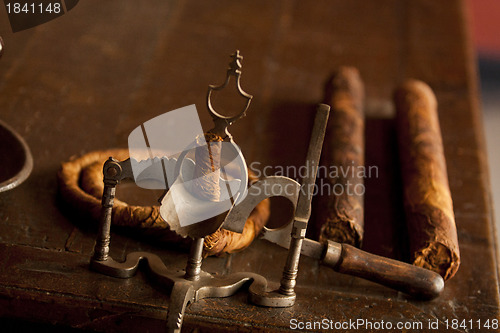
(344,258)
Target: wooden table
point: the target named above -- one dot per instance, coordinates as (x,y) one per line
(83,81)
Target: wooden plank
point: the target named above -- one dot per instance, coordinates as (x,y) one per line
(84,81)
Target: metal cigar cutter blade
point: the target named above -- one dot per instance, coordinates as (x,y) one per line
(193,283)
(292,235)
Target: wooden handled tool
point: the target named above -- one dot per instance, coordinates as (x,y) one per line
(415,281)
(340,204)
(427,197)
(344,258)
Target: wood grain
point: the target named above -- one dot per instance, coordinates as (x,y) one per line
(84,81)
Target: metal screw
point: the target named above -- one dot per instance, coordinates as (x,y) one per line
(112,172)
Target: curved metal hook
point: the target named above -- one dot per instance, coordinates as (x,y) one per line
(222,122)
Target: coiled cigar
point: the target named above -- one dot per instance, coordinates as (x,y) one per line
(427,198)
(340,209)
(81,187)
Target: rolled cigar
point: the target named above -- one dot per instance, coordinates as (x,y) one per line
(427,197)
(81,188)
(207,170)
(207,175)
(340,205)
(225,241)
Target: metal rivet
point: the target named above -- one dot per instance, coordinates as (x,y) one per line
(112,172)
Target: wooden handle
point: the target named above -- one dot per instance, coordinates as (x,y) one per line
(412,280)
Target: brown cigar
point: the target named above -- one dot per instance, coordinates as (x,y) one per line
(207,170)
(340,205)
(427,197)
(81,187)
(225,241)
(208,165)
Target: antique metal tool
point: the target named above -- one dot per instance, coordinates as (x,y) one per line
(344,258)
(300,196)
(192,284)
(16,159)
(415,281)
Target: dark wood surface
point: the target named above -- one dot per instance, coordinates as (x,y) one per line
(83,81)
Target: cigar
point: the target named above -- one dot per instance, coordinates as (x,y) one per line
(427,198)
(225,241)
(81,187)
(208,166)
(340,204)
(207,170)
